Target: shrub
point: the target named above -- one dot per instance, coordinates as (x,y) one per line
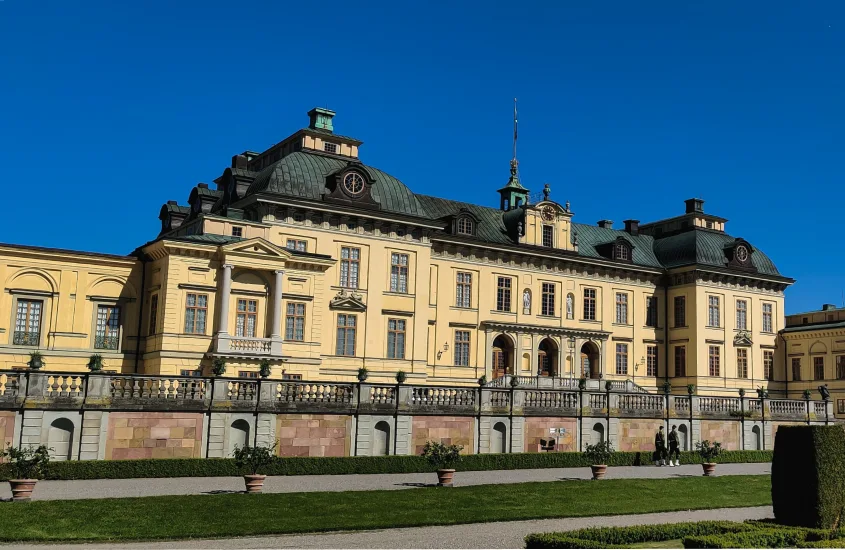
(218,366)
(598,454)
(442,456)
(808,476)
(264,368)
(363,373)
(255,458)
(36,360)
(95,363)
(401,376)
(709,452)
(27,462)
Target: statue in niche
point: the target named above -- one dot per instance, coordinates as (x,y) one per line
(526,301)
(570,307)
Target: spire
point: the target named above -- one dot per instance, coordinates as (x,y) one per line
(513,194)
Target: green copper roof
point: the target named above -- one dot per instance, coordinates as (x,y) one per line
(303,175)
(591,236)
(704,247)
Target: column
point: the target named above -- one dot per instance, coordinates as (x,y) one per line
(488,359)
(602,353)
(225,294)
(277,304)
(562,351)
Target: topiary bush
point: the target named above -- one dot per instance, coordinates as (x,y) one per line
(808,476)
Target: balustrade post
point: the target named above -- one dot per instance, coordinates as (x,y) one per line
(220,389)
(364,393)
(99,386)
(266,392)
(36,384)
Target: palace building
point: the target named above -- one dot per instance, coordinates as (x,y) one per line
(305,256)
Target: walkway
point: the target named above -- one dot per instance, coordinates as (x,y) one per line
(477,535)
(118,488)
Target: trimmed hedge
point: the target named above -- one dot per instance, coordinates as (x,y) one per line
(292,466)
(703,534)
(808,476)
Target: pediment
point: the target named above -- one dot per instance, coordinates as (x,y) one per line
(257,247)
(743,338)
(348,301)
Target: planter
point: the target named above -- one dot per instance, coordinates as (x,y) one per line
(709,468)
(254,482)
(22,489)
(36,364)
(599,470)
(444,478)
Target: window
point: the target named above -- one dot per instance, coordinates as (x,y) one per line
(680,311)
(245,321)
(548,236)
(399,273)
(768,326)
(465,226)
(713,311)
(715,360)
(503,294)
(741,315)
(329,147)
(247,374)
(28,323)
(840,406)
(298,245)
(192,373)
(295,321)
(651,361)
(108,327)
(589,304)
(621,252)
(742,363)
(291,376)
(796,368)
(818,368)
(680,360)
(768,364)
(353,184)
(651,311)
(350,259)
(840,367)
(299,217)
(547,304)
(621,359)
(346,334)
(622,308)
(395,338)
(463,291)
(237,232)
(153,313)
(196,310)
(462,348)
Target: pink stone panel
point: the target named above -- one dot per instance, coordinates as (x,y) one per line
(135,435)
(449,430)
(725,432)
(314,435)
(637,434)
(540,428)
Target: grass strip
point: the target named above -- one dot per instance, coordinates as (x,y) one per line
(235,515)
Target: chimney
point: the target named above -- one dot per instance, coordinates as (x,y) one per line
(239,161)
(828,307)
(694,205)
(173,203)
(632,227)
(202,185)
(321,119)
(606,224)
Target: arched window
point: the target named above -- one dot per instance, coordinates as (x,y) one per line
(465,226)
(622,252)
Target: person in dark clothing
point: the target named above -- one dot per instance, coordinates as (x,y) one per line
(660,448)
(674,447)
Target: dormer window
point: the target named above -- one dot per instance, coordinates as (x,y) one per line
(465,226)
(622,252)
(330,147)
(548,236)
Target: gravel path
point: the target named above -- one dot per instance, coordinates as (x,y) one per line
(118,488)
(477,535)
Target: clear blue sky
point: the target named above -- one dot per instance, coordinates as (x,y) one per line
(626,108)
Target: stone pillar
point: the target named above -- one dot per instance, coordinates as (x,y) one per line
(488,357)
(224,298)
(277,304)
(602,353)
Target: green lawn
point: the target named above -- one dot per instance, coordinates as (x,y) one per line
(230,515)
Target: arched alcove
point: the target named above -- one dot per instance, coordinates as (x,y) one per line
(597,435)
(381,439)
(499,438)
(238,435)
(60,439)
(683,436)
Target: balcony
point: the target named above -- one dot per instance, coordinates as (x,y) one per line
(111,342)
(243,346)
(26,338)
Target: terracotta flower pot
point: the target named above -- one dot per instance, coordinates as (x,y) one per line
(444,478)
(709,468)
(22,489)
(254,482)
(599,470)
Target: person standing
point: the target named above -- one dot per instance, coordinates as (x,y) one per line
(674,447)
(660,448)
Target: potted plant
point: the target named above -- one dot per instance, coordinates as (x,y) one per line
(444,458)
(401,377)
(36,360)
(218,366)
(598,455)
(95,363)
(482,381)
(741,392)
(264,368)
(608,385)
(254,459)
(667,387)
(27,466)
(582,383)
(807,394)
(708,453)
(363,373)
(690,389)
(514,381)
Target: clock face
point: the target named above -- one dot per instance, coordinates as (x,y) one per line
(548,213)
(742,253)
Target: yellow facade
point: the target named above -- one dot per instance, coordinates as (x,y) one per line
(249,273)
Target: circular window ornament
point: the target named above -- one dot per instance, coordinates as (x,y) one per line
(548,213)
(353,184)
(742,253)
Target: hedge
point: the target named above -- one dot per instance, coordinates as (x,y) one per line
(291,466)
(703,534)
(808,476)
